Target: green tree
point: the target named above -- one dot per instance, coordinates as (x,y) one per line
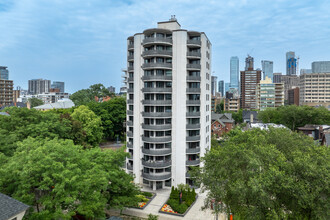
(274,174)
(219,108)
(84,96)
(35,102)
(113,116)
(91,124)
(24,123)
(294,116)
(60,179)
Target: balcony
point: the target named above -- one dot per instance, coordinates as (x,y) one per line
(156,90)
(157,176)
(158,78)
(157,65)
(129,112)
(193,126)
(130,57)
(193,90)
(130,79)
(193,114)
(153,40)
(129,145)
(158,53)
(163,139)
(130,68)
(157,127)
(157,152)
(193,54)
(193,66)
(193,138)
(192,162)
(130,47)
(157,102)
(129,123)
(129,134)
(193,150)
(157,114)
(155,164)
(194,43)
(130,101)
(194,78)
(130,90)
(193,102)
(129,167)
(187,175)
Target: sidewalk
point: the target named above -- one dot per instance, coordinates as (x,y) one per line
(195,213)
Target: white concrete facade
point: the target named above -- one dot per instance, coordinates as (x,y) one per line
(168,104)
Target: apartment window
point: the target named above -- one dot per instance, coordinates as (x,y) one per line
(160,35)
(168,72)
(160,72)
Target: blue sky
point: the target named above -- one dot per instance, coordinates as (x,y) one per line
(83,42)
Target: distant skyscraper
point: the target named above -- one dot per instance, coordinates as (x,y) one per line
(291,63)
(249,80)
(58,85)
(249,63)
(4,73)
(38,86)
(234,72)
(214,83)
(227,87)
(221,87)
(112,89)
(267,69)
(305,71)
(277,77)
(321,67)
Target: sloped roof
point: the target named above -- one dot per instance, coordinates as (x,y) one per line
(225,118)
(246,114)
(10,207)
(57,105)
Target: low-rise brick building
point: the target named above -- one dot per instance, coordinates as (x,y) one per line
(221,123)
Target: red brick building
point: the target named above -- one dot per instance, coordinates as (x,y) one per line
(221,123)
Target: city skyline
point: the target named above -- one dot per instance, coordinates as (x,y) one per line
(83,43)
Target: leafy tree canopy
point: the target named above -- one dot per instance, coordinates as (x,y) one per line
(91,124)
(84,96)
(59,179)
(35,102)
(294,116)
(274,174)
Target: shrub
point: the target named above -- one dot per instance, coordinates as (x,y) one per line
(142,198)
(147,194)
(181,208)
(152,217)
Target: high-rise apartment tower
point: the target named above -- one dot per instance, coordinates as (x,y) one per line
(168,103)
(234,72)
(267,69)
(291,63)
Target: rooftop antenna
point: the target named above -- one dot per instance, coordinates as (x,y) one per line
(173,18)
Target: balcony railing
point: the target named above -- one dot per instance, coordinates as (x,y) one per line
(156,127)
(129,112)
(155,77)
(130,68)
(153,90)
(157,53)
(157,176)
(193,90)
(130,46)
(157,114)
(193,138)
(130,57)
(129,167)
(193,150)
(129,123)
(193,78)
(129,145)
(194,42)
(192,162)
(157,139)
(130,90)
(193,54)
(157,102)
(193,126)
(193,114)
(130,101)
(157,152)
(157,40)
(193,102)
(165,163)
(157,65)
(194,66)
(129,134)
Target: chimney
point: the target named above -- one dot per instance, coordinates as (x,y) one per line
(251,117)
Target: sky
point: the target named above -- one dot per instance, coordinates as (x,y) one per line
(83,42)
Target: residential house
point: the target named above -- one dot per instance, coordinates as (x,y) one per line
(221,123)
(11,209)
